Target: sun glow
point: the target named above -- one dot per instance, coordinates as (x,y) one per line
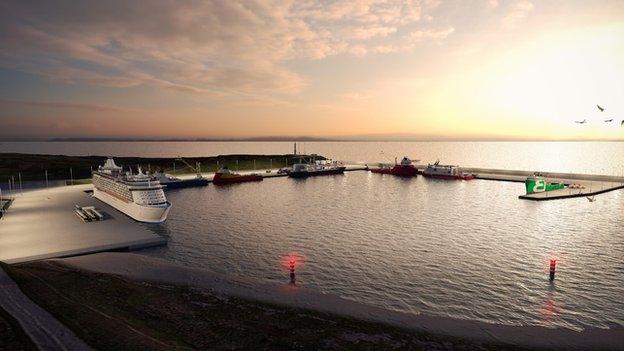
(552,82)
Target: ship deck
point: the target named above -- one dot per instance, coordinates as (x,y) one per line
(42,224)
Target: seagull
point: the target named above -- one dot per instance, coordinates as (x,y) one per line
(609,120)
(600,108)
(581,122)
(591,199)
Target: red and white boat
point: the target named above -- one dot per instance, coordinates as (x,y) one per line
(437,170)
(225,176)
(404,169)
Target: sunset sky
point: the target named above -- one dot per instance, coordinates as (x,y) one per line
(482,69)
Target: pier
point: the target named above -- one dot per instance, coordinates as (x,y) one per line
(588,184)
(42,224)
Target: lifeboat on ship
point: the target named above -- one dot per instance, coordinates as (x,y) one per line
(404,169)
(225,176)
(437,170)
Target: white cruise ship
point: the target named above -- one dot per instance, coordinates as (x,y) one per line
(139,196)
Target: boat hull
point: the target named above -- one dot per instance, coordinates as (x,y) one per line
(399,171)
(155,214)
(306,174)
(218,180)
(185,183)
(449,177)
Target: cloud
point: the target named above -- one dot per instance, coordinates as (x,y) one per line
(413,39)
(491,4)
(208,47)
(61,105)
(518,11)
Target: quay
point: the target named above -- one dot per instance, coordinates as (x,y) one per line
(42,224)
(587,184)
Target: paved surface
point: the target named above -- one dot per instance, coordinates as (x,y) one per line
(42,224)
(41,327)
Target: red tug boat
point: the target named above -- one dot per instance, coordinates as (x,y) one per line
(225,176)
(404,169)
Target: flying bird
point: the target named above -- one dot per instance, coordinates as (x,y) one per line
(600,108)
(581,122)
(609,120)
(591,199)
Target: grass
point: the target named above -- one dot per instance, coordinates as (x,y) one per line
(109,312)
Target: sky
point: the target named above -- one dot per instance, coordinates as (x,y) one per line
(408,69)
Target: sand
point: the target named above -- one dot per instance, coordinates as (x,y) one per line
(144,268)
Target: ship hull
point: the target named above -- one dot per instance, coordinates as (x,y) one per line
(185,183)
(139,213)
(237,179)
(449,177)
(399,171)
(306,174)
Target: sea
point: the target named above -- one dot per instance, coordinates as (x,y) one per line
(463,249)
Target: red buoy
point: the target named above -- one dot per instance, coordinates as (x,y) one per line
(553,266)
(291,266)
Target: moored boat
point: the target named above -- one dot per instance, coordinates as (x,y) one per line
(404,169)
(437,170)
(225,176)
(175,183)
(538,184)
(304,170)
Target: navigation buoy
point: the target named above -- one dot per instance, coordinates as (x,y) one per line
(291,266)
(553,266)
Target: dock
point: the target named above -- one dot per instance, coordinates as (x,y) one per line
(43,224)
(587,184)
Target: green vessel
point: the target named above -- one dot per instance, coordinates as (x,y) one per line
(538,184)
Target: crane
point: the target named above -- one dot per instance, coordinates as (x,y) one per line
(197,167)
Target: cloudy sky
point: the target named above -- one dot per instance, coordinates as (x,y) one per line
(480,69)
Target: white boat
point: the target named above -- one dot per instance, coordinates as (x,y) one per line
(139,196)
(437,170)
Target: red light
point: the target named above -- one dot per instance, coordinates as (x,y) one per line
(292,261)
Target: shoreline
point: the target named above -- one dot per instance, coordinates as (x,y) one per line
(148,269)
(33,167)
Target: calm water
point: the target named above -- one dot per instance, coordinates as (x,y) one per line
(577,157)
(464,249)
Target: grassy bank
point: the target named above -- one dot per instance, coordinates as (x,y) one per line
(58,167)
(109,312)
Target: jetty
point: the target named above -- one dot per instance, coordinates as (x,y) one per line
(577,184)
(42,224)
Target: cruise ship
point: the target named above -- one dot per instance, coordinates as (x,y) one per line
(139,196)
